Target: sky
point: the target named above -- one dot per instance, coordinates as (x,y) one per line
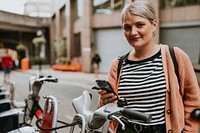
(13,6)
(17,6)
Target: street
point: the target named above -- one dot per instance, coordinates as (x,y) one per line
(70,85)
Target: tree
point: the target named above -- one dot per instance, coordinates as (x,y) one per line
(21,52)
(60,49)
(38,42)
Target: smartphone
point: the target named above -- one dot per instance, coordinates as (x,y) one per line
(103,84)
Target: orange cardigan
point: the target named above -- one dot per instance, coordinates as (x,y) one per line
(181,99)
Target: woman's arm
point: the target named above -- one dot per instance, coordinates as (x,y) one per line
(189,89)
(110,97)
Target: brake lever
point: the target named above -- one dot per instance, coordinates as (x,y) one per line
(120,121)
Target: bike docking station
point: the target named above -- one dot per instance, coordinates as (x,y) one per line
(4,99)
(9,117)
(46,122)
(16,117)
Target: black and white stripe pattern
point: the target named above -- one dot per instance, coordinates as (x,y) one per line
(143,85)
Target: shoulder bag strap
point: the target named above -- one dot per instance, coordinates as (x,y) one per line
(171,50)
(121,59)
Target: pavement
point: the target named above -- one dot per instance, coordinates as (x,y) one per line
(82,79)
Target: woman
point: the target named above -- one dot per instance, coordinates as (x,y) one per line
(147,78)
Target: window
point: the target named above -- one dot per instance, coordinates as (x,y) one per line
(78,9)
(107,6)
(62,20)
(76,49)
(176,3)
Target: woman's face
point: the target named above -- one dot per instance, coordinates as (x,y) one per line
(138,30)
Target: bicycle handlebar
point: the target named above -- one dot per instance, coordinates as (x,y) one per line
(110,111)
(38,83)
(47,79)
(107,112)
(132,114)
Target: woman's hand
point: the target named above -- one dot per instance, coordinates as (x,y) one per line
(106,97)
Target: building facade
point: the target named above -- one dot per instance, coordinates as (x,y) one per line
(180,26)
(89,25)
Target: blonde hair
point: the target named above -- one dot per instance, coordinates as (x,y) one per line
(141,8)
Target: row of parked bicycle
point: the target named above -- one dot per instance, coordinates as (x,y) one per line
(46,118)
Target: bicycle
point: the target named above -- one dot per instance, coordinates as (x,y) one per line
(48,119)
(32,106)
(90,121)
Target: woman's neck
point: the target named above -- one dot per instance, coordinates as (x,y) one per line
(140,54)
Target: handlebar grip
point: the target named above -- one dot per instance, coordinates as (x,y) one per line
(55,80)
(132,114)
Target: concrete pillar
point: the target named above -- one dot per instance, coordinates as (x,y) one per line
(52,39)
(86,37)
(57,29)
(69,27)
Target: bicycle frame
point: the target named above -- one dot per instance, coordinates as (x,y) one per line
(32,103)
(32,107)
(48,120)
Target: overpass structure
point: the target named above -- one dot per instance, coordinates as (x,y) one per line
(21,29)
(16,22)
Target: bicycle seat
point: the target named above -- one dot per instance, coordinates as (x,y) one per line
(82,103)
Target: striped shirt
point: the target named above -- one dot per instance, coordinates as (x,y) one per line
(143,85)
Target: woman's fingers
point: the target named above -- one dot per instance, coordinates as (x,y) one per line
(107,97)
(101,92)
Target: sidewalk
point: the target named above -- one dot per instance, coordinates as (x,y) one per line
(81,79)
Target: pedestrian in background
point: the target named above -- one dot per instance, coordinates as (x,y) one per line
(7,64)
(147,79)
(96,59)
